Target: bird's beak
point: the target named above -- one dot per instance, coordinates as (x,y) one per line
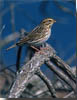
(54,21)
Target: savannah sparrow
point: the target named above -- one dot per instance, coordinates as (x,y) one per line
(38,35)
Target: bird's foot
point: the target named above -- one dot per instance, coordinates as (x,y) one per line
(45,48)
(37,50)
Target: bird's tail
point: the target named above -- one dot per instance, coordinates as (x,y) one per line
(13,46)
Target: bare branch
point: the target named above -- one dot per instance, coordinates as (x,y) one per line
(18,58)
(47,82)
(61,75)
(65,67)
(69,95)
(9,39)
(31,67)
(63,8)
(28,70)
(71,59)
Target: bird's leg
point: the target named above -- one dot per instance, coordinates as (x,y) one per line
(37,50)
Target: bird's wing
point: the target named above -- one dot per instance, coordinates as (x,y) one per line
(22,41)
(35,34)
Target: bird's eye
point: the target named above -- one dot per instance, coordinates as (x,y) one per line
(49,20)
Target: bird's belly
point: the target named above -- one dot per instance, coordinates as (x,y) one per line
(40,41)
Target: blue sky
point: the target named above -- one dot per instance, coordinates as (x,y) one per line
(27,15)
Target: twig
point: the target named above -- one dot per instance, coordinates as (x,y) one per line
(71,93)
(63,8)
(61,75)
(63,66)
(18,58)
(47,82)
(13,20)
(12,17)
(9,39)
(3,27)
(71,59)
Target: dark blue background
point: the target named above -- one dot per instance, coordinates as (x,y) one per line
(29,13)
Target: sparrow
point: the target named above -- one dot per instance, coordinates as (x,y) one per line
(39,35)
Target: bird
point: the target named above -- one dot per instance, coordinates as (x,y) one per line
(39,35)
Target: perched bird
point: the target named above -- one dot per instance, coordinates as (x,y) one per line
(38,35)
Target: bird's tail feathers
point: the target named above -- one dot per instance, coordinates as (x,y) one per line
(13,46)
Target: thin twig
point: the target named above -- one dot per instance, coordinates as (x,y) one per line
(63,66)
(47,82)
(63,8)
(69,95)
(13,20)
(71,59)
(9,39)
(18,58)
(61,75)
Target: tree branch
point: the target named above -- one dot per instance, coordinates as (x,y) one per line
(64,67)
(28,70)
(69,95)
(18,58)
(31,67)
(63,76)
(47,82)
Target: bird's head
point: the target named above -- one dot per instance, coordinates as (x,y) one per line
(48,22)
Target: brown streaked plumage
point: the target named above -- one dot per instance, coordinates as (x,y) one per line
(38,35)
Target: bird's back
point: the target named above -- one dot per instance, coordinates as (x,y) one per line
(38,35)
